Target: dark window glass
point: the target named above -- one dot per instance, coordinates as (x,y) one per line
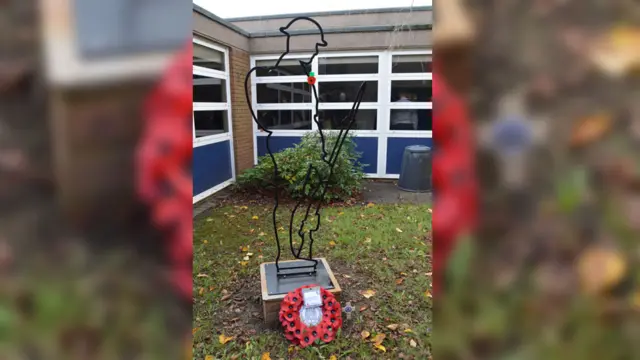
(336,92)
(411,91)
(206,89)
(210,122)
(348,65)
(403,64)
(208,58)
(285,68)
(335,119)
(286,119)
(410,119)
(286,93)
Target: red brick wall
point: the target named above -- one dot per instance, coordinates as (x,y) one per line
(242,121)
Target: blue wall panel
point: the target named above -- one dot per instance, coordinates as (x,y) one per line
(395,149)
(278,143)
(211,166)
(368,147)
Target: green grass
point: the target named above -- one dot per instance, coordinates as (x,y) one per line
(375,246)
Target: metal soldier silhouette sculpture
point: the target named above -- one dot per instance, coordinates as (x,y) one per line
(279,279)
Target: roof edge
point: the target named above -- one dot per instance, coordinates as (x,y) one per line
(332,13)
(220,20)
(344,30)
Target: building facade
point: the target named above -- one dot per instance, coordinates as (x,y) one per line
(390,49)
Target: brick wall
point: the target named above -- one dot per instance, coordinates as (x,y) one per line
(242,121)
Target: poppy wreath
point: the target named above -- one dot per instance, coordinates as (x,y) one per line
(298,332)
(163,163)
(454,177)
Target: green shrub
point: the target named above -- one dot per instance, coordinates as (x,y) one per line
(293,164)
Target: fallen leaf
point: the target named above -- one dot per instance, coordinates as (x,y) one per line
(399,281)
(291,349)
(380,347)
(265,356)
(413,343)
(211,288)
(379,338)
(635,300)
(254,217)
(430,273)
(590,129)
(430,211)
(367,240)
(332,243)
(195,330)
(346,276)
(392,327)
(209,219)
(399,230)
(363,308)
(408,330)
(341,213)
(249,254)
(367,293)
(244,263)
(616,53)
(365,334)
(202,275)
(370,205)
(246,258)
(427,293)
(205,241)
(333,357)
(224,339)
(600,269)
(201,291)
(245,249)
(261,234)
(208,357)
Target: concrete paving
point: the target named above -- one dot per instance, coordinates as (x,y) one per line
(387,192)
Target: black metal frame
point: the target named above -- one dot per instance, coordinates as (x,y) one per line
(318,193)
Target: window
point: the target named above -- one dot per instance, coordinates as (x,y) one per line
(287,67)
(407,64)
(211,108)
(283,93)
(348,65)
(410,119)
(124,27)
(283,104)
(411,91)
(210,122)
(209,90)
(208,58)
(396,102)
(346,92)
(337,119)
(286,119)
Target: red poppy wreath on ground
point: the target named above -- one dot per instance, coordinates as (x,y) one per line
(298,329)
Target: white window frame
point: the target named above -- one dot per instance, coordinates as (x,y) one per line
(226,106)
(214,106)
(384,77)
